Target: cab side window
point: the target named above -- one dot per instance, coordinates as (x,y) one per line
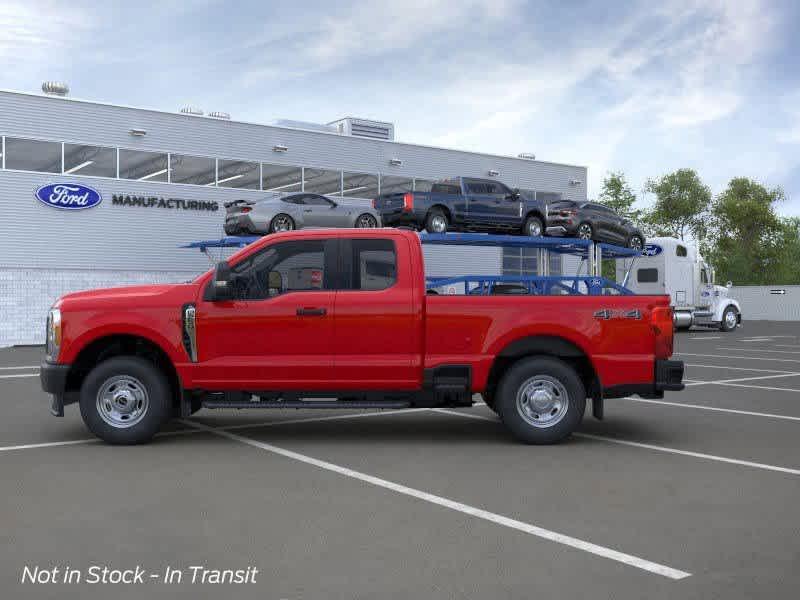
(373,265)
(281,269)
(680,251)
(703,276)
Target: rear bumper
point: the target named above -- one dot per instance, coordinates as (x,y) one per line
(54,381)
(668,377)
(394,218)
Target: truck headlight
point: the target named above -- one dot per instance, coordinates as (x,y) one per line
(53,337)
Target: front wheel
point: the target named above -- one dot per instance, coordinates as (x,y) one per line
(730,319)
(533,227)
(541,400)
(125,400)
(366,221)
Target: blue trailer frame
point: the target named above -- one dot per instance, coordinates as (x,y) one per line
(592,284)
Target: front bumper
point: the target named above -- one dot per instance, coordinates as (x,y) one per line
(54,382)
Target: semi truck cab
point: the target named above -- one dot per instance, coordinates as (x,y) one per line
(673,267)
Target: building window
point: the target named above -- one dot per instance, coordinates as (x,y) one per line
(33,155)
(238,174)
(396,185)
(144,166)
(195,170)
(323,181)
(360,185)
(90,160)
(280,178)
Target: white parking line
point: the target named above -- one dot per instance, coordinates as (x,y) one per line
(736,368)
(762,350)
(473,511)
(721,381)
(791,360)
(786,345)
(762,387)
(748,413)
(711,337)
(225,428)
(19,368)
(17,376)
(712,457)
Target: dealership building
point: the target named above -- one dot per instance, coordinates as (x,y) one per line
(161,180)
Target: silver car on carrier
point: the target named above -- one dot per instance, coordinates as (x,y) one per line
(284,212)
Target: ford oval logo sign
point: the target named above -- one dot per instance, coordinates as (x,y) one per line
(69,196)
(652,250)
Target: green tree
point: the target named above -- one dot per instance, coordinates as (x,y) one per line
(681,205)
(618,195)
(749,243)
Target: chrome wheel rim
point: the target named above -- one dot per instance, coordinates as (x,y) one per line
(534,228)
(366,221)
(282,223)
(542,401)
(730,319)
(585,232)
(122,401)
(438,223)
(636,243)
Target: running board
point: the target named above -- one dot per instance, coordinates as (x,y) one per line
(393,404)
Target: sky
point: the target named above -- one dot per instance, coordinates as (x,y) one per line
(639,87)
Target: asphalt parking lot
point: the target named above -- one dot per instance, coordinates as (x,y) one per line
(695,496)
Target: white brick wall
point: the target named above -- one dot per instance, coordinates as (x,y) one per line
(27,294)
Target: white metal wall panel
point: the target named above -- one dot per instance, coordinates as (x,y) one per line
(767,303)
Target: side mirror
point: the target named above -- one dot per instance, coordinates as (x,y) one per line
(729,285)
(221,288)
(514,195)
(333,204)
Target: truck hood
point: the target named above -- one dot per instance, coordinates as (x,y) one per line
(138,296)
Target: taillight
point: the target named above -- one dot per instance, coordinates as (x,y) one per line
(408,202)
(374,203)
(569,213)
(246,209)
(661,320)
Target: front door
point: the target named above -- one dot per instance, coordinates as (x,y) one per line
(277,334)
(319,211)
(504,206)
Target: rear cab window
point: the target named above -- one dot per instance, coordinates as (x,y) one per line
(372,264)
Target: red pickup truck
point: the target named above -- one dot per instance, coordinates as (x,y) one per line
(341,319)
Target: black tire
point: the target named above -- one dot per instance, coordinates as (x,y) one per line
(585,227)
(277,220)
(726,319)
(432,221)
(533,223)
(551,373)
(157,408)
(366,221)
(636,242)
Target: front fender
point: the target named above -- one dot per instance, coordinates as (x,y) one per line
(723,305)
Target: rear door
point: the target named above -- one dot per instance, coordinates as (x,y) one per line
(378,324)
(479,203)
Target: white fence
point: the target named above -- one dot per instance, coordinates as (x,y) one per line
(768,302)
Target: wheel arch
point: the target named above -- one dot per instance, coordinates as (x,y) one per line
(111,345)
(548,345)
(441,207)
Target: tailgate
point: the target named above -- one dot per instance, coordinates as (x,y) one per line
(389,202)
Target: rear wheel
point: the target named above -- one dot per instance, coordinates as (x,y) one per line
(541,400)
(281,222)
(533,227)
(366,221)
(125,400)
(730,319)
(436,221)
(585,231)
